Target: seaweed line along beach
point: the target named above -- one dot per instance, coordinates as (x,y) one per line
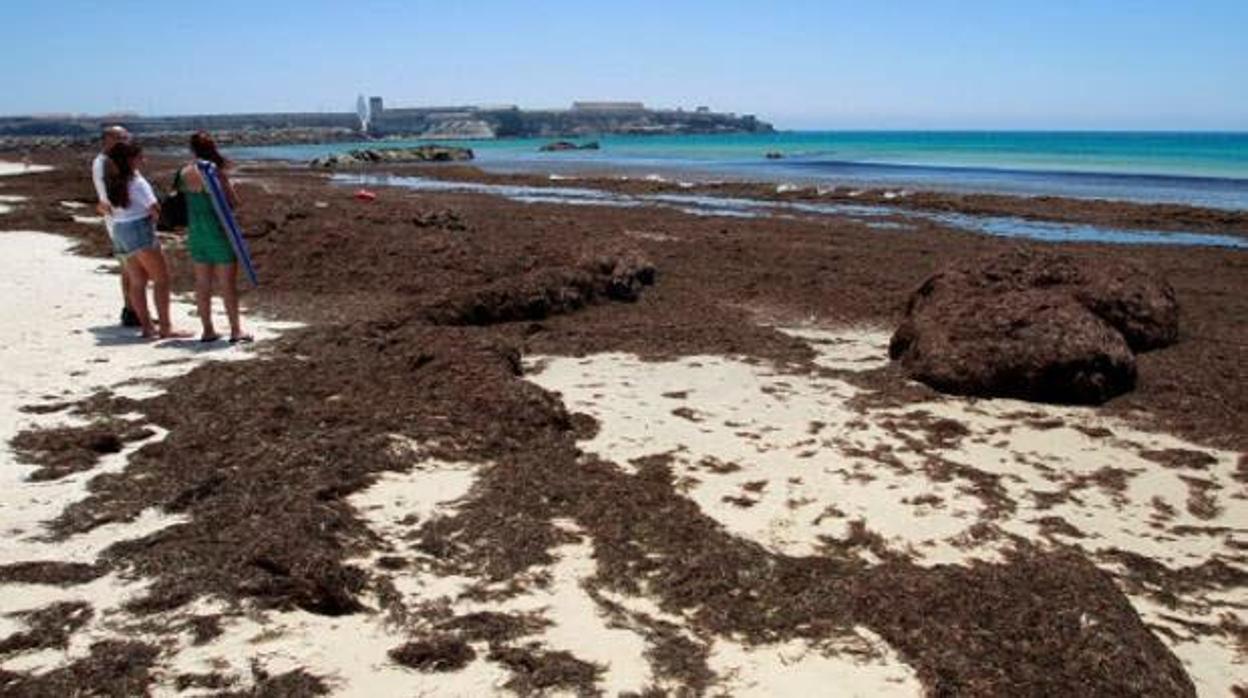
(536,430)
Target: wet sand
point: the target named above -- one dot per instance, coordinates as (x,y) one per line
(1114,214)
(722,487)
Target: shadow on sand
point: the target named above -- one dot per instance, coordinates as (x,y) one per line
(194,345)
(115,336)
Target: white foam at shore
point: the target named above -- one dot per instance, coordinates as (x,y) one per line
(783,459)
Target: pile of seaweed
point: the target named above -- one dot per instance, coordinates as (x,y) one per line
(266,521)
(420,323)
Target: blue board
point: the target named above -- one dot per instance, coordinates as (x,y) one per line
(221,204)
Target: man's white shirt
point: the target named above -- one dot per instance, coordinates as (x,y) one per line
(101,191)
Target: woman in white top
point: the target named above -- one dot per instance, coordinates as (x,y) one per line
(135,210)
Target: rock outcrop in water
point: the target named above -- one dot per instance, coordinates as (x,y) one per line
(423,153)
(561,146)
(1035,325)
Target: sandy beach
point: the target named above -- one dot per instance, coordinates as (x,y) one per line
(458,463)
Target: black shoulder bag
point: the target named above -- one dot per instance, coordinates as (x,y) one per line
(173,207)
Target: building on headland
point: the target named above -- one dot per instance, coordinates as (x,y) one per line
(584,118)
(608,107)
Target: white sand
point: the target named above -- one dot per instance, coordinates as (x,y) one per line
(352,651)
(797,446)
(795,669)
(766,452)
(17,168)
(430,490)
(6,201)
(82,213)
(59,341)
(759,419)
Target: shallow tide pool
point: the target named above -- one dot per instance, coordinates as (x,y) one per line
(998,226)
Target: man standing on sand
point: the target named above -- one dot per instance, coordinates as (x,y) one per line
(112,136)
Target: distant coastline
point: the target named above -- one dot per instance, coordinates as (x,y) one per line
(373,119)
(1202,168)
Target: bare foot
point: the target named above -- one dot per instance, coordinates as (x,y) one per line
(209,337)
(242,339)
(174,334)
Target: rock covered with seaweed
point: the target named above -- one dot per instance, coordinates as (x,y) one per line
(370,156)
(1035,325)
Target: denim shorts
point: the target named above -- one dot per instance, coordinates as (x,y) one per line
(132,236)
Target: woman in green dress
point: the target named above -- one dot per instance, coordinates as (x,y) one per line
(216,267)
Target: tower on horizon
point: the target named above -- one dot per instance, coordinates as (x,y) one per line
(362,111)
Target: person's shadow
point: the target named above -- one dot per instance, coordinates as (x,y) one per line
(118,336)
(193,345)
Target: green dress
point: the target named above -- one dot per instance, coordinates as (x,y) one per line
(206,240)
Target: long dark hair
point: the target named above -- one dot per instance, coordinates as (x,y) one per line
(204,148)
(118,171)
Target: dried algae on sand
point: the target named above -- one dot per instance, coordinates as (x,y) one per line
(62,607)
(648,496)
(940,488)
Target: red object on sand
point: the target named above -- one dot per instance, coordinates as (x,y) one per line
(365,195)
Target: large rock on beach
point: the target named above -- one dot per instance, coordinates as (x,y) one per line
(423,153)
(1035,325)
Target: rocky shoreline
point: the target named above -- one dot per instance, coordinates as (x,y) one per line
(429,318)
(392,156)
(1121,214)
(563,146)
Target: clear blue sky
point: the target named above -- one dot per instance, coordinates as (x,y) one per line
(1139,64)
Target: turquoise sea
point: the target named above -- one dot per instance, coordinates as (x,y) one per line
(1200,168)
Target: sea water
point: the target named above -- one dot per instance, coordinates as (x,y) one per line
(875,216)
(1197,168)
